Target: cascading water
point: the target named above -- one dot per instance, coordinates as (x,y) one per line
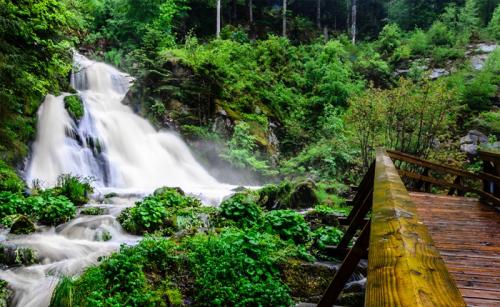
(122,152)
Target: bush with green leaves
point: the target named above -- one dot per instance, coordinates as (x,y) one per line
(156,212)
(289,224)
(56,210)
(9,180)
(242,209)
(239,267)
(92,211)
(75,188)
(13,203)
(74,106)
(327,236)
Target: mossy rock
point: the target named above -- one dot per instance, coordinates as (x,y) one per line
(22,225)
(287,195)
(303,195)
(74,106)
(11,255)
(162,190)
(92,211)
(307,280)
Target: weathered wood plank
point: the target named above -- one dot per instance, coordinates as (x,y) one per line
(404,266)
(466,234)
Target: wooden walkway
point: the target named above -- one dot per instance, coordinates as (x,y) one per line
(467,235)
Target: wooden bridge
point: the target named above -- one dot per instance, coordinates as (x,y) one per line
(424,249)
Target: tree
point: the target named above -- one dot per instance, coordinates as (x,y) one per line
(318,14)
(284,17)
(218,19)
(353,26)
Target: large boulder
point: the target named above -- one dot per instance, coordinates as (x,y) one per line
(11,255)
(470,142)
(303,195)
(309,280)
(22,225)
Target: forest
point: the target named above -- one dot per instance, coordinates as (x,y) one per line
(279,106)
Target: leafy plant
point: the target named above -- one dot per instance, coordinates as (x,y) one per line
(9,180)
(327,236)
(289,224)
(242,209)
(75,188)
(56,210)
(74,106)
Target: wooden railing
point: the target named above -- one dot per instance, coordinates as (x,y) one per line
(404,267)
(463,182)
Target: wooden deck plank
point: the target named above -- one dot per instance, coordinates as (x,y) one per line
(467,234)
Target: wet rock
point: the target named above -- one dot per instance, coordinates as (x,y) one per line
(317,219)
(304,195)
(355,299)
(471,141)
(309,280)
(11,255)
(166,189)
(22,225)
(306,280)
(5,294)
(92,211)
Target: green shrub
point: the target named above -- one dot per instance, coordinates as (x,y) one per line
(327,236)
(440,35)
(289,224)
(156,212)
(75,188)
(74,106)
(239,268)
(9,180)
(418,42)
(494,24)
(13,203)
(241,208)
(56,210)
(389,39)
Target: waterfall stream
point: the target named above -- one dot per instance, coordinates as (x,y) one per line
(122,153)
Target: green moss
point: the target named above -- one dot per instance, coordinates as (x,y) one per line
(74,106)
(92,211)
(22,225)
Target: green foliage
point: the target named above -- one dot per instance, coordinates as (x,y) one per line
(35,58)
(418,42)
(242,209)
(289,224)
(327,236)
(423,111)
(156,212)
(494,24)
(56,210)
(9,180)
(389,39)
(242,149)
(75,188)
(239,268)
(479,92)
(74,106)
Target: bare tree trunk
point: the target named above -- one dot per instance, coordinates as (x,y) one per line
(218,19)
(284,18)
(250,11)
(348,21)
(325,33)
(318,14)
(353,27)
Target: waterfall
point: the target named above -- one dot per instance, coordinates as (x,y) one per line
(131,154)
(122,152)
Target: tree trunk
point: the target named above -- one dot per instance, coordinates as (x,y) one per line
(325,33)
(353,27)
(250,11)
(218,19)
(284,18)
(318,14)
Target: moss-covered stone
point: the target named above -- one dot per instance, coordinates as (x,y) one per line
(92,211)
(22,225)
(303,195)
(288,195)
(11,255)
(74,106)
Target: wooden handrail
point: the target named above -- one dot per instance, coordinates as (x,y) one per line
(404,266)
(457,185)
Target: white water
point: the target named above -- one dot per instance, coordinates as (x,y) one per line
(133,159)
